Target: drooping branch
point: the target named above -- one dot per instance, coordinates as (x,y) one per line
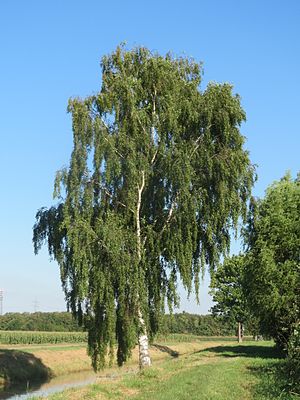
(170,213)
(116,151)
(196,146)
(110,195)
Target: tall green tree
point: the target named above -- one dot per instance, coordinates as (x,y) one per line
(228,290)
(157,179)
(273,273)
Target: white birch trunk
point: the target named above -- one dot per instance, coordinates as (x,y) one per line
(144,357)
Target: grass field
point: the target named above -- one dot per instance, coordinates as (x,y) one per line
(205,371)
(196,369)
(201,370)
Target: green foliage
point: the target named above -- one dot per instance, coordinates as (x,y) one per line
(293,361)
(273,271)
(31,337)
(39,321)
(228,290)
(201,325)
(157,179)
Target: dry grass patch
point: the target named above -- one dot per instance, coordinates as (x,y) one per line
(71,360)
(65,361)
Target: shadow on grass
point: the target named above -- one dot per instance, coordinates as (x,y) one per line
(271,369)
(20,371)
(245,351)
(166,349)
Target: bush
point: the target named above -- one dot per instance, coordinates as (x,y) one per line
(293,360)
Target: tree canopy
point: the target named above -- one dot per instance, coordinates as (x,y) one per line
(228,290)
(273,272)
(158,177)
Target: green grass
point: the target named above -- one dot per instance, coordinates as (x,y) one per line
(251,371)
(209,375)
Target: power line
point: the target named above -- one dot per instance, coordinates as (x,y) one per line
(35,305)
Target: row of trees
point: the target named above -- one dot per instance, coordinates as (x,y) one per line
(39,321)
(203,325)
(263,284)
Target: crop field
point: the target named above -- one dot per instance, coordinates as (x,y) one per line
(32,337)
(181,337)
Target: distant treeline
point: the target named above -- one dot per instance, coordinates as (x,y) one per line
(39,321)
(203,325)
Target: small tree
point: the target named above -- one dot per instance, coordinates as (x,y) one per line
(228,292)
(157,178)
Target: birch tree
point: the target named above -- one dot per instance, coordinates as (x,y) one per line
(157,179)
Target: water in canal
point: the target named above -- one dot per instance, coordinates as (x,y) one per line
(54,385)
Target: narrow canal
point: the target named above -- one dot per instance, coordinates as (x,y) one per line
(54,385)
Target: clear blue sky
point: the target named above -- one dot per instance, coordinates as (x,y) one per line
(50,51)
